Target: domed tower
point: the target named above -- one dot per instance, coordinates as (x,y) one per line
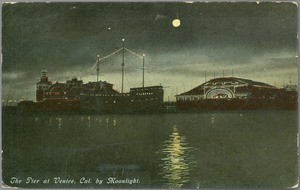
(42,85)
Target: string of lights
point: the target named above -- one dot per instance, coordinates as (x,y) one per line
(136,54)
(115,52)
(105,57)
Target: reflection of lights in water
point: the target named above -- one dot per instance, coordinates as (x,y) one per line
(89,119)
(50,121)
(107,121)
(114,122)
(59,123)
(176,160)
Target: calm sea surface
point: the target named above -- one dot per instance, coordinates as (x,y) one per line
(238,149)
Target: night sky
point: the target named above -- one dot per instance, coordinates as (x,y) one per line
(255,41)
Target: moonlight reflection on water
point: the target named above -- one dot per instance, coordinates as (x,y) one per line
(177,160)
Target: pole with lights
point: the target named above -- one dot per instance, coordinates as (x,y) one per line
(144,70)
(98,69)
(123,64)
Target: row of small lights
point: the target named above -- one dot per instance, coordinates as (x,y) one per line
(10,102)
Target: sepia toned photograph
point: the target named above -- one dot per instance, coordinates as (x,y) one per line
(136,95)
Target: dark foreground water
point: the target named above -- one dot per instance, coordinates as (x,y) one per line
(239,149)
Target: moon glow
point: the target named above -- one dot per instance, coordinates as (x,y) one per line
(176,23)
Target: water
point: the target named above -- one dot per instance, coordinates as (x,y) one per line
(238,149)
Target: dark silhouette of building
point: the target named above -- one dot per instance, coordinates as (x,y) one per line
(69,90)
(42,86)
(151,93)
(237,93)
(143,99)
(95,96)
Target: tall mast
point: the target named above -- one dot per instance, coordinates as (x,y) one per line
(143,70)
(123,64)
(98,69)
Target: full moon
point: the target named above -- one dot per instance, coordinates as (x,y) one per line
(176,22)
